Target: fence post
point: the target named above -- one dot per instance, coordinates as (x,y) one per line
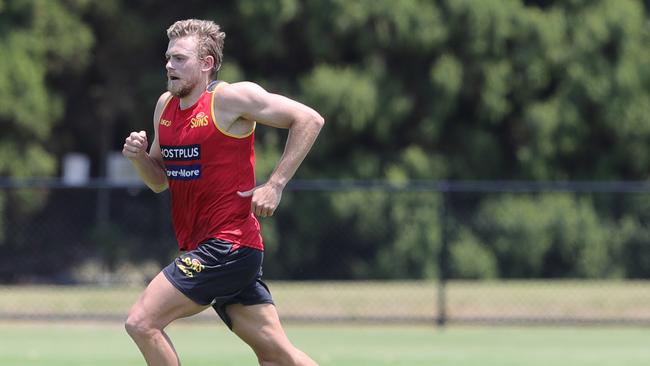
(443,258)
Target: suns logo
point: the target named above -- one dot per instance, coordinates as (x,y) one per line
(201,120)
(189,266)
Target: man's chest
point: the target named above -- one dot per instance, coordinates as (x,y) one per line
(186,129)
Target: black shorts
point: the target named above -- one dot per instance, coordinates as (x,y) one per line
(215,274)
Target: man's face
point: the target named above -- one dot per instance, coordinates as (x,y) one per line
(183,66)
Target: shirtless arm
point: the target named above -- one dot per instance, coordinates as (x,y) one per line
(149,166)
(253,103)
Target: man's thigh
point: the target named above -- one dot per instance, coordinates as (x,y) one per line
(259,326)
(161,303)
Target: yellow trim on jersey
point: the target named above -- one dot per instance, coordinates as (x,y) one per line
(214,93)
(162,113)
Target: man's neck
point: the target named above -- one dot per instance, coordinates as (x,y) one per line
(194,96)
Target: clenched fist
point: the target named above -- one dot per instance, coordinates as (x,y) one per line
(135,146)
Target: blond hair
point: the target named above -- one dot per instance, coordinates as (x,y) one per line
(209,35)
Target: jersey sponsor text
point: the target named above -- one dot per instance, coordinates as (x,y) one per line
(184,172)
(181,153)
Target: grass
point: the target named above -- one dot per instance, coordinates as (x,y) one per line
(414,300)
(76,344)
(205,341)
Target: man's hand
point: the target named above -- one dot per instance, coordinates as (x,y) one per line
(266,199)
(135,146)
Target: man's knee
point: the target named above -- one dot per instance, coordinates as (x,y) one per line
(137,326)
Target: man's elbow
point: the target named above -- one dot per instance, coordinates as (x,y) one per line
(311,121)
(318,121)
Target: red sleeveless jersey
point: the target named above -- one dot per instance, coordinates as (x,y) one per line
(205,168)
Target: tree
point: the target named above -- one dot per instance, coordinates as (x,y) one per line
(43,43)
(411,89)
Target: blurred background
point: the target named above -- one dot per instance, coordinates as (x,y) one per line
(482,161)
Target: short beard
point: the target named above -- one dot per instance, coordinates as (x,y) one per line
(183,91)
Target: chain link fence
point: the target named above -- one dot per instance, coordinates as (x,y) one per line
(418,252)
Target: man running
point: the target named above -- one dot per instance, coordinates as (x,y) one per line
(203,152)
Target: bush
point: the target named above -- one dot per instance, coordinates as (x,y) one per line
(550,235)
(471,259)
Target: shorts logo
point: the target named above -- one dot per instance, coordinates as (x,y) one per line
(181,153)
(201,120)
(189,266)
(184,172)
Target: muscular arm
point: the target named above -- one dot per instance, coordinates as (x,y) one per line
(275,110)
(149,166)
(253,103)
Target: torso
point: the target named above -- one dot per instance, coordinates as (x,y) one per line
(206,165)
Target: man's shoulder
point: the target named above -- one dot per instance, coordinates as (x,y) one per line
(241,85)
(161,104)
(230,103)
(239,91)
(163,99)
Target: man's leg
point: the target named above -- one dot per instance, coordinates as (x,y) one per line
(160,304)
(259,326)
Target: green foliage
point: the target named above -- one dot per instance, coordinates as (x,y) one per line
(552,235)
(410,89)
(343,94)
(401,231)
(632,241)
(555,81)
(40,41)
(470,259)
(386,24)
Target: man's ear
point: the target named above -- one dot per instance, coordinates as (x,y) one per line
(208,63)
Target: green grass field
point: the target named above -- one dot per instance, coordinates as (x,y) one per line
(205,341)
(76,344)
